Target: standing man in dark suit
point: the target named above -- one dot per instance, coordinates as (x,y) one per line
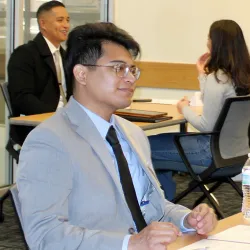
(35,70)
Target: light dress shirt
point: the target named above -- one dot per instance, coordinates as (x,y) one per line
(53,49)
(139,178)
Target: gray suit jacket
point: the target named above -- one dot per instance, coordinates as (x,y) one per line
(69,189)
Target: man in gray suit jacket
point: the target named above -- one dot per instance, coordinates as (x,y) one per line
(71,177)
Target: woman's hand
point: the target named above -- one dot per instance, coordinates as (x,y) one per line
(182,103)
(201,63)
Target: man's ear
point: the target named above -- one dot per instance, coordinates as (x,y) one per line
(41,22)
(80,74)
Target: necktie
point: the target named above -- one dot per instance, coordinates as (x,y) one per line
(126,180)
(59,75)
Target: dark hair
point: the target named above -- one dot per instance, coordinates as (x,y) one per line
(229,53)
(47,7)
(84,46)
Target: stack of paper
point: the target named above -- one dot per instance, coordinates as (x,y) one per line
(237,237)
(216,245)
(196,99)
(240,233)
(164,101)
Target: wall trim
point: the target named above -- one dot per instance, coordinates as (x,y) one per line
(168,75)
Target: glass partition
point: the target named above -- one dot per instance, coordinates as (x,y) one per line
(22,27)
(26,27)
(2,52)
(80,11)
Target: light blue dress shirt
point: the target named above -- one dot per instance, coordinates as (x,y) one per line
(139,178)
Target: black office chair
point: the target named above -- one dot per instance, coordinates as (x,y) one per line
(13,192)
(4,193)
(11,144)
(5,92)
(232,124)
(11,147)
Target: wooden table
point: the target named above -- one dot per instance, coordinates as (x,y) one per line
(224,224)
(34,120)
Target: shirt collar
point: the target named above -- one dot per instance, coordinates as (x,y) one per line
(101,124)
(51,46)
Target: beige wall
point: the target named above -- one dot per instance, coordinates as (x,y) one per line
(176,30)
(2,109)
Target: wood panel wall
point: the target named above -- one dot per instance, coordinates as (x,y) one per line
(2,66)
(156,75)
(168,75)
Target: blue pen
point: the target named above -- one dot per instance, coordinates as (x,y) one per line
(143,203)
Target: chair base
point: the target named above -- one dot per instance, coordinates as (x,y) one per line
(1,217)
(207,193)
(4,194)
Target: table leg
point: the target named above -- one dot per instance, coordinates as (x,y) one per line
(183,127)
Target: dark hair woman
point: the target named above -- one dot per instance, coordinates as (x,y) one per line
(224,71)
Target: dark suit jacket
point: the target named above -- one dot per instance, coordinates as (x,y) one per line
(33,85)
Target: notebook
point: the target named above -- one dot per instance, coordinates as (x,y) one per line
(146,119)
(136,115)
(140,113)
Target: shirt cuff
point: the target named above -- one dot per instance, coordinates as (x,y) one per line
(183,228)
(125,242)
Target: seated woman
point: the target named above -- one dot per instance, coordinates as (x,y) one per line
(223,72)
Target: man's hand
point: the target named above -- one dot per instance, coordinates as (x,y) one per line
(202,218)
(154,237)
(182,103)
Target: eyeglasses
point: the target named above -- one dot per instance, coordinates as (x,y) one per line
(121,69)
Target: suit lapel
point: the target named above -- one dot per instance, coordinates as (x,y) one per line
(45,53)
(63,53)
(84,126)
(50,62)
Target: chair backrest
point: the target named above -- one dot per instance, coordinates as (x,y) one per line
(5,92)
(231,146)
(17,207)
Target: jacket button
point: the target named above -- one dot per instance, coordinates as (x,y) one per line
(131,230)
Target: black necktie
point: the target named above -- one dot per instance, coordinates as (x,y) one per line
(126,180)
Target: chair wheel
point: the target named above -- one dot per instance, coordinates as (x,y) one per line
(1,218)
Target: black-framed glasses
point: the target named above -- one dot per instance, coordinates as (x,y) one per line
(121,69)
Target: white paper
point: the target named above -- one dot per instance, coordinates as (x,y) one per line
(165,101)
(237,237)
(196,99)
(240,233)
(216,245)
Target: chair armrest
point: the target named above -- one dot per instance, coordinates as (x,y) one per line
(13,148)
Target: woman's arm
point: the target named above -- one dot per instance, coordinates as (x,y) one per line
(213,100)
